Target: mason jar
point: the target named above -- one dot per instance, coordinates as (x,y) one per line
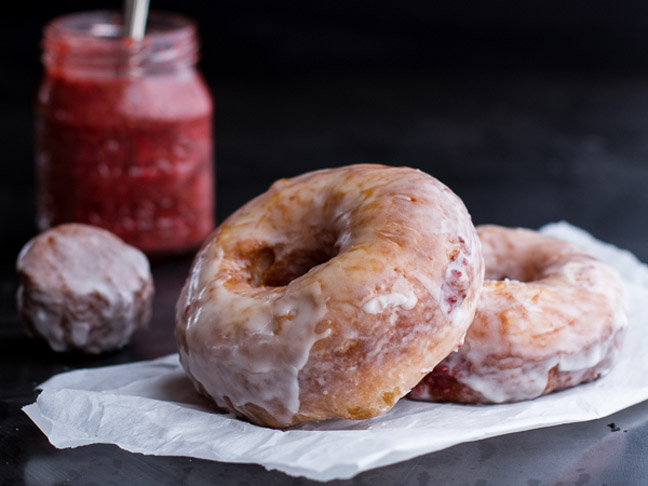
(124,131)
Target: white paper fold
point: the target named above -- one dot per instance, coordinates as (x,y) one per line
(152,408)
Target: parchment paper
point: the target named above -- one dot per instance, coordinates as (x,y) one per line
(151,407)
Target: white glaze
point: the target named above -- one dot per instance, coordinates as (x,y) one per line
(279,331)
(401,296)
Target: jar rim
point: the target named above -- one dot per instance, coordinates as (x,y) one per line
(107,25)
(95,38)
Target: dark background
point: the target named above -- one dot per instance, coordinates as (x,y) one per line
(531,111)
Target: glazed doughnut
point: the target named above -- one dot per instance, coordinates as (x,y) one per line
(330,295)
(550,316)
(83,288)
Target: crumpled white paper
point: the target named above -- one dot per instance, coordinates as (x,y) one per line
(152,408)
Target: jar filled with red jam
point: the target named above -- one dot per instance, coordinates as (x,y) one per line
(124,131)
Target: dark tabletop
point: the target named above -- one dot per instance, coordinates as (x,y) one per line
(522,144)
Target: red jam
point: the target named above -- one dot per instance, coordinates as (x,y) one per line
(124,132)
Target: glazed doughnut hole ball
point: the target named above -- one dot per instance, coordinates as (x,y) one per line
(83,288)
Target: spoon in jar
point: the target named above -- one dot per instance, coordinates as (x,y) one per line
(135,14)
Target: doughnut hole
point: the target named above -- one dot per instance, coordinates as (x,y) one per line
(522,274)
(522,266)
(277,266)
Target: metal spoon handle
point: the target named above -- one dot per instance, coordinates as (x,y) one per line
(135,14)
